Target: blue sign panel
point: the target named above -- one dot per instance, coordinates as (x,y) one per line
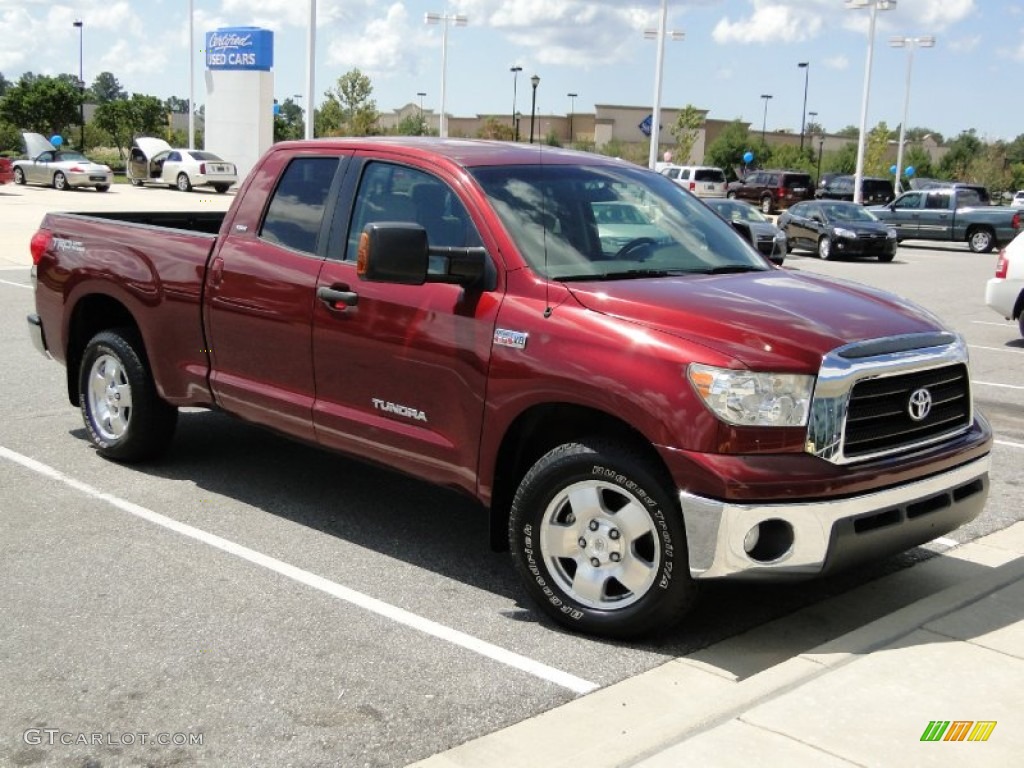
(646,124)
(240,48)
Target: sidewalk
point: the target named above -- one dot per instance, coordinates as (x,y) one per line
(863,699)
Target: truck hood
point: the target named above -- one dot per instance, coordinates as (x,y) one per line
(781,320)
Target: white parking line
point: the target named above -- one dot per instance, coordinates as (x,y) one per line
(994,384)
(17,285)
(1016,351)
(411,620)
(1008,443)
(986,322)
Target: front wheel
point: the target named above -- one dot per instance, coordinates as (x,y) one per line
(766,205)
(980,240)
(19,176)
(825,248)
(184,185)
(125,417)
(136,182)
(731,195)
(60,181)
(599,542)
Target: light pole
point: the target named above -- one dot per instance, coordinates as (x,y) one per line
(444,19)
(572,109)
(81,86)
(515,79)
(806,67)
(659,34)
(534,81)
(423,125)
(821,146)
(764,120)
(876,6)
(311,72)
(910,43)
(812,121)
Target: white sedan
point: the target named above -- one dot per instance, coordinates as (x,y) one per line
(154,161)
(1004,293)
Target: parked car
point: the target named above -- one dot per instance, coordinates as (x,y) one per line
(6,171)
(773,190)
(154,161)
(1004,293)
(1018,199)
(873,190)
(621,223)
(701,180)
(57,168)
(953,214)
(838,228)
(764,235)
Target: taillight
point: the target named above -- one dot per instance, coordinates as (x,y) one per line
(1016,221)
(693,186)
(1002,264)
(202,168)
(40,244)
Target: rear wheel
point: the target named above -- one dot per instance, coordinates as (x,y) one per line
(221,188)
(731,195)
(125,417)
(980,240)
(102,187)
(60,181)
(598,540)
(19,176)
(766,204)
(825,248)
(184,185)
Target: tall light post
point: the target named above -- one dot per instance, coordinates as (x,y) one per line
(806,67)
(572,109)
(910,43)
(423,125)
(764,120)
(534,81)
(821,147)
(310,71)
(515,70)
(444,19)
(876,6)
(191,79)
(81,86)
(659,65)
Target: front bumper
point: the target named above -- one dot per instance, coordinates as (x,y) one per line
(812,538)
(864,247)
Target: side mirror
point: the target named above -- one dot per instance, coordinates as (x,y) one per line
(398,253)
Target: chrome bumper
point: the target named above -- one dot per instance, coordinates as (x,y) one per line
(807,539)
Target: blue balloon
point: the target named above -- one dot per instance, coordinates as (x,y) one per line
(909,170)
(56,140)
(892,168)
(277,108)
(748,157)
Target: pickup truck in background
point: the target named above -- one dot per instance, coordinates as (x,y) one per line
(636,414)
(951,214)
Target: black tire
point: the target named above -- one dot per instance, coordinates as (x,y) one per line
(220,189)
(980,240)
(623,522)
(885,258)
(102,187)
(825,248)
(183,183)
(136,182)
(19,176)
(731,195)
(767,204)
(113,370)
(60,181)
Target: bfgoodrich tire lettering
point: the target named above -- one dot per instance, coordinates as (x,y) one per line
(125,417)
(599,541)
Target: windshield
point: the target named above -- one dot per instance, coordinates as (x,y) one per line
(734,211)
(853,212)
(578,222)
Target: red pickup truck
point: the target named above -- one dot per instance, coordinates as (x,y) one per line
(639,406)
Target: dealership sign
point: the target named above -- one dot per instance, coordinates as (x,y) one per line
(240,48)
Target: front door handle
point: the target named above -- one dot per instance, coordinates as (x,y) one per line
(332,296)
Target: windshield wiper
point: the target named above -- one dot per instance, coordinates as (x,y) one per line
(731,269)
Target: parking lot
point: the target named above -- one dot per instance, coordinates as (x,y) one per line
(249,600)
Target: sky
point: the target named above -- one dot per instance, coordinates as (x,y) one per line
(733,52)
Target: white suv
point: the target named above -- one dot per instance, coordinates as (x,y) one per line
(1005,292)
(1018,199)
(701,180)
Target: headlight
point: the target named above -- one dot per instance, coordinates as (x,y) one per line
(891,234)
(847,233)
(751,399)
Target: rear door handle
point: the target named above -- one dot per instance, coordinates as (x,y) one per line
(333,296)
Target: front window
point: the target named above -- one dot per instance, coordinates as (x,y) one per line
(606,222)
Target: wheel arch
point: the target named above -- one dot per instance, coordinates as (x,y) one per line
(541,428)
(92,314)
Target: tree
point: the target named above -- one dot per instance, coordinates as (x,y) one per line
(791,156)
(4,84)
(495,129)
(413,125)
(327,121)
(685,130)
(956,163)
(843,160)
(916,157)
(728,148)
(106,88)
(47,105)
(876,147)
(357,111)
(177,105)
(849,132)
(289,122)
(124,119)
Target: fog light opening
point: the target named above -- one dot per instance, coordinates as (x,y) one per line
(768,541)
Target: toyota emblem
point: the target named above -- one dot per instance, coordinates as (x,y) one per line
(920,404)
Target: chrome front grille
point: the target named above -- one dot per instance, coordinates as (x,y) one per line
(869,398)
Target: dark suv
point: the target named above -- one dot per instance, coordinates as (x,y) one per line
(873,190)
(773,190)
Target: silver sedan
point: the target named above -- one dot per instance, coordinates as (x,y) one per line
(63,170)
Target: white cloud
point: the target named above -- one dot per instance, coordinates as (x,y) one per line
(965,44)
(839,62)
(772,21)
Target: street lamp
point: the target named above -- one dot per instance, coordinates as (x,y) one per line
(764,120)
(515,78)
(534,81)
(806,67)
(876,6)
(423,125)
(910,43)
(443,18)
(821,146)
(81,86)
(572,109)
(812,121)
(659,33)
